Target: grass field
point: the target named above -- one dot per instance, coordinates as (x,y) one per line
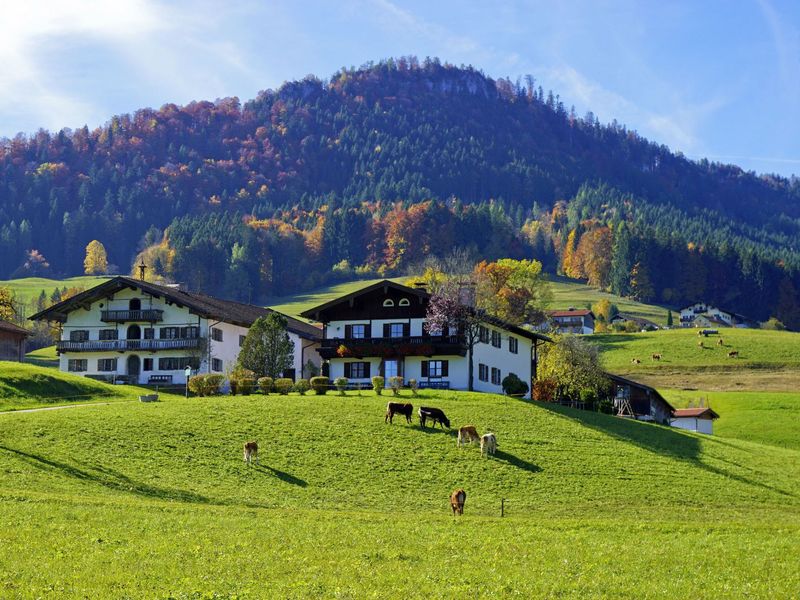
(43,357)
(28,289)
(134,500)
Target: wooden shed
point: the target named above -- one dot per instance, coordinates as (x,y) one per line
(639,401)
(12,341)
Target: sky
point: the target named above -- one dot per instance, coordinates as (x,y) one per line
(714,79)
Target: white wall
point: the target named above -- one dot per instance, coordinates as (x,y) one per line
(694,424)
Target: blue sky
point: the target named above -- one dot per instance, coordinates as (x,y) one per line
(719,79)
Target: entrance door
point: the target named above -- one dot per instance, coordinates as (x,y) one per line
(392,369)
(134,368)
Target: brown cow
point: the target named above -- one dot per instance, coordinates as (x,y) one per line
(467,434)
(733,354)
(457,499)
(656,356)
(394,408)
(250,452)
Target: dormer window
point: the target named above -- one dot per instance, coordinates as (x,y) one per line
(388,303)
(404,302)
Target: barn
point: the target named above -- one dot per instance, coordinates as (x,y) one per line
(699,419)
(639,401)
(12,341)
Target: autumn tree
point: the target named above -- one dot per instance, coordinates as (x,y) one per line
(513,290)
(573,365)
(7,311)
(267,350)
(96,261)
(569,262)
(594,256)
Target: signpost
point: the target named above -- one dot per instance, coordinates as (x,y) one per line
(188,373)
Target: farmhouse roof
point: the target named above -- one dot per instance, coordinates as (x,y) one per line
(202,305)
(572,312)
(314,313)
(11,328)
(700,413)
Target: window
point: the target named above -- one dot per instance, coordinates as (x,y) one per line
(147,363)
(192,332)
(79,335)
(404,302)
(435,368)
(396,330)
(216,365)
(177,364)
(107,364)
(495,376)
(513,345)
(241,340)
(216,334)
(149,333)
(496,338)
(483,334)
(358,331)
(483,372)
(77,365)
(169,333)
(356,370)
(388,302)
(108,334)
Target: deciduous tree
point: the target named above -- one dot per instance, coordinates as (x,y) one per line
(267,350)
(96,261)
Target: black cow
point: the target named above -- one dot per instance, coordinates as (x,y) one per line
(434,414)
(395,408)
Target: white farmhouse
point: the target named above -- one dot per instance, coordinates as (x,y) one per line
(700,419)
(130,330)
(378,330)
(701,314)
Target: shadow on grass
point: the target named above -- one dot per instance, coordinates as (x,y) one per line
(431,430)
(660,439)
(283,475)
(515,461)
(108,478)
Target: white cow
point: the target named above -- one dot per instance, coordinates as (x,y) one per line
(488,444)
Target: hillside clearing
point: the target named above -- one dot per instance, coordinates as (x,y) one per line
(28,289)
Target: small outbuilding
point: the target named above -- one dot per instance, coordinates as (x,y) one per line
(638,401)
(694,419)
(12,341)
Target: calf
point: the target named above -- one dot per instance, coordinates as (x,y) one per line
(467,434)
(701,344)
(656,356)
(733,354)
(250,452)
(635,361)
(434,414)
(488,444)
(457,499)
(394,408)
(720,342)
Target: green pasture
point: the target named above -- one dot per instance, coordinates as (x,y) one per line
(28,290)
(133,500)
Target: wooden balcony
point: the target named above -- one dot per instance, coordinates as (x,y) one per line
(127,345)
(391,347)
(150,315)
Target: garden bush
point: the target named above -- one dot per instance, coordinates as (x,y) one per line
(246,386)
(283,385)
(341,384)
(265,384)
(301,386)
(320,385)
(544,390)
(206,385)
(514,386)
(396,383)
(377,384)
(412,383)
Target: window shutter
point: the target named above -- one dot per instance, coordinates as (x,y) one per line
(162,333)
(366,369)
(347,369)
(406,329)
(368,330)
(387,330)
(348,333)
(424,368)
(445,370)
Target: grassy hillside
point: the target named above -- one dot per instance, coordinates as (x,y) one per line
(28,289)
(764,417)
(32,386)
(343,505)
(43,357)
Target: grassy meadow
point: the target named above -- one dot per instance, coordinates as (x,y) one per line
(29,288)
(132,500)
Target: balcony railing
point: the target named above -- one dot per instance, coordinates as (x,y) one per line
(415,345)
(123,345)
(121,316)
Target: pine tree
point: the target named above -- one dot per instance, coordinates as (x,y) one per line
(96,261)
(619,275)
(669,318)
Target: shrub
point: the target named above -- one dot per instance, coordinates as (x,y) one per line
(631,326)
(283,385)
(606,406)
(246,385)
(341,384)
(589,397)
(301,386)
(412,383)
(377,384)
(544,390)
(514,386)
(310,369)
(396,383)
(236,378)
(265,384)
(206,385)
(773,324)
(320,385)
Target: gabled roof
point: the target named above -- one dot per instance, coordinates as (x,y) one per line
(651,390)
(695,412)
(205,306)
(573,312)
(313,313)
(11,328)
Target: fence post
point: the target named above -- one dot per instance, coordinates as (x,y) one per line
(502,507)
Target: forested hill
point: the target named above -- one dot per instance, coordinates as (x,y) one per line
(321,166)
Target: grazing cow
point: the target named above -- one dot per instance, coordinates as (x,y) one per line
(720,342)
(656,356)
(701,344)
(457,499)
(467,434)
(733,354)
(394,408)
(435,415)
(250,452)
(635,361)
(488,444)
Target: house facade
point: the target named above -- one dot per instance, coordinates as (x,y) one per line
(379,330)
(638,401)
(572,320)
(12,341)
(130,330)
(701,314)
(700,419)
